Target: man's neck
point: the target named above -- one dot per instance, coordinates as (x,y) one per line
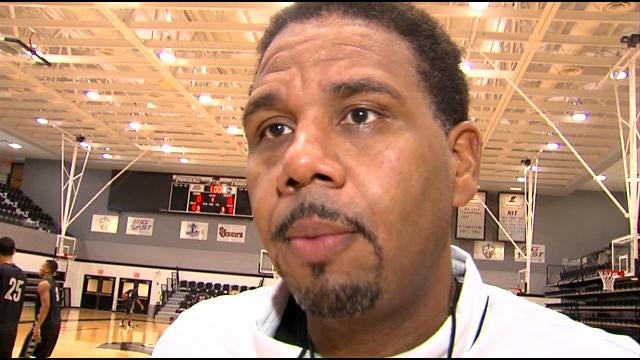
(378,333)
(6,260)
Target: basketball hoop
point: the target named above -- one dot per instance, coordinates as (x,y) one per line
(608,277)
(66,256)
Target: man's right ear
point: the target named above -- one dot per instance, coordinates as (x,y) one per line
(465,144)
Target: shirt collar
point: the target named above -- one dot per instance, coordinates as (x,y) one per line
(469,311)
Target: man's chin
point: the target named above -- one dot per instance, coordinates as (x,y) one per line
(337,300)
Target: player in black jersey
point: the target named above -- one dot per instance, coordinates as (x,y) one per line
(12,283)
(47,325)
(131,298)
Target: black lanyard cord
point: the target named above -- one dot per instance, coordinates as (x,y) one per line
(452,310)
(312,351)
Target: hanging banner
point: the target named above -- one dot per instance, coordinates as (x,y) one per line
(470,218)
(194,230)
(139,226)
(512,216)
(104,223)
(231,233)
(537,253)
(488,250)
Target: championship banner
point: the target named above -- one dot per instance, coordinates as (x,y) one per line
(104,223)
(194,230)
(470,218)
(488,250)
(139,226)
(231,233)
(537,253)
(512,216)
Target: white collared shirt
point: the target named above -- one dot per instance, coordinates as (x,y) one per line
(243,325)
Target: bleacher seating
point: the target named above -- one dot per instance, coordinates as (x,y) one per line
(18,209)
(33,279)
(198,291)
(183,285)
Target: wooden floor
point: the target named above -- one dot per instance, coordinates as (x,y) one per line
(96,333)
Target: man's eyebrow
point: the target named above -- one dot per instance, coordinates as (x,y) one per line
(258,103)
(349,88)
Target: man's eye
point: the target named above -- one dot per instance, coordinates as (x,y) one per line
(361,116)
(275,130)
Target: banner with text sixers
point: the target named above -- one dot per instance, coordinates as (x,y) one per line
(231,233)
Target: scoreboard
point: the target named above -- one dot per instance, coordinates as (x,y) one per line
(224,196)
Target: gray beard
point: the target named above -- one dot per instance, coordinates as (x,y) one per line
(337,299)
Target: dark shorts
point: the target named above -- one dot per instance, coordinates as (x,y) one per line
(49,334)
(7,340)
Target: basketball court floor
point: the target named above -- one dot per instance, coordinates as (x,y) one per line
(97,333)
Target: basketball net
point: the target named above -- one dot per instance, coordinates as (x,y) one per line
(608,277)
(66,256)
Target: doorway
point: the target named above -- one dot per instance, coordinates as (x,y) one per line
(144,293)
(97,292)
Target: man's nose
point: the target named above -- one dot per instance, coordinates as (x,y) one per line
(311,158)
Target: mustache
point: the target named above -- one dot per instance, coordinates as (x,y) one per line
(309,209)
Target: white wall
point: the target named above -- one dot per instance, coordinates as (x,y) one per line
(76,271)
(28,262)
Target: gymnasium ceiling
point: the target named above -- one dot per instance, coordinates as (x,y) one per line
(559,54)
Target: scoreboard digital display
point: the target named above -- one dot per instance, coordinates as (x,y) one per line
(224,196)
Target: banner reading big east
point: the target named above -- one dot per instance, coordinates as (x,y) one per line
(231,233)
(139,226)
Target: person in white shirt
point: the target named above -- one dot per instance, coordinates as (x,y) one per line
(359,148)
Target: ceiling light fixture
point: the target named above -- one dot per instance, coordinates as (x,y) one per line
(479,5)
(166,148)
(205,99)
(135,126)
(515,188)
(601,177)
(552,146)
(92,95)
(184,160)
(520,179)
(167,56)
(42,121)
(618,75)
(234,130)
(465,66)
(15,146)
(82,141)
(579,117)
(107,156)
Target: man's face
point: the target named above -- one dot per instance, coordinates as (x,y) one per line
(349,173)
(44,268)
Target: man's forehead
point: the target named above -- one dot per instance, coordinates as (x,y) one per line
(340,32)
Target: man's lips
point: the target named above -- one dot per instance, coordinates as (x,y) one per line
(318,241)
